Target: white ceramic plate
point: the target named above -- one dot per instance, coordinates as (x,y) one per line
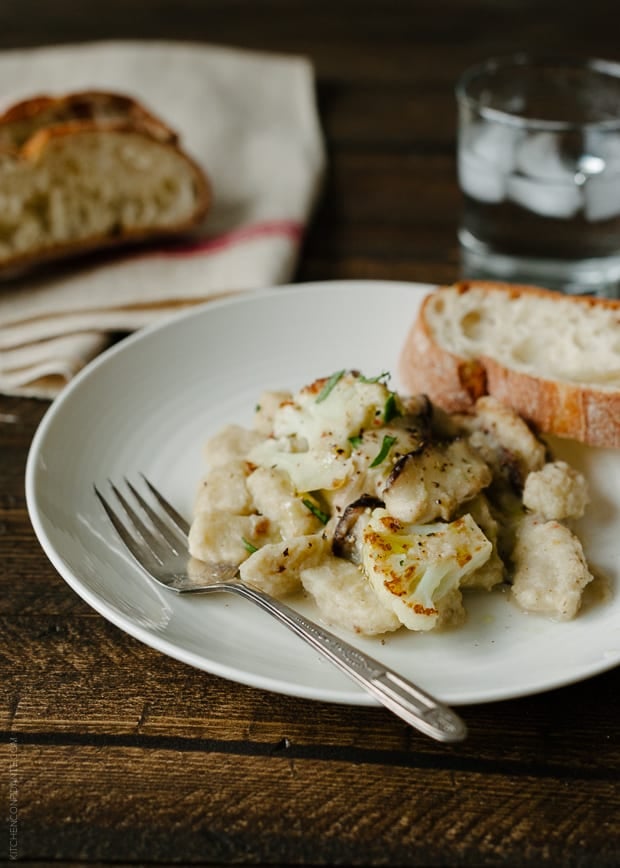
(148,405)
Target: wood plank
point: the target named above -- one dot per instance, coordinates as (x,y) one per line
(82,678)
(93,803)
(354,41)
(389,116)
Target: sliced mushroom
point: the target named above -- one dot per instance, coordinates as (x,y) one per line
(347,534)
(504,440)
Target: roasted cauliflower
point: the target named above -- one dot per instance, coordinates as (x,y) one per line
(388,512)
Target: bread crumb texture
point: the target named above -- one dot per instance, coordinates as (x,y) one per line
(92,185)
(544,334)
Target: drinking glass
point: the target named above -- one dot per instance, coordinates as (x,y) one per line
(539,171)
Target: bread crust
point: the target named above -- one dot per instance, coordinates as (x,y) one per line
(30,127)
(565,409)
(23,119)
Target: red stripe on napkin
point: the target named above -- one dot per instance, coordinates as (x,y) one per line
(292,229)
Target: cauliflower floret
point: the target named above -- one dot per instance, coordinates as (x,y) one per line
(310,470)
(414,569)
(275,567)
(433,482)
(557,491)
(335,409)
(345,597)
(550,570)
(315,433)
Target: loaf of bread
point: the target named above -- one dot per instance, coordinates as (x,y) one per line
(553,358)
(87,171)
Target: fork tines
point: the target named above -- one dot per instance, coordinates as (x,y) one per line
(156,533)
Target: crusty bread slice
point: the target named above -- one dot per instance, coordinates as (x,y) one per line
(87,172)
(553,358)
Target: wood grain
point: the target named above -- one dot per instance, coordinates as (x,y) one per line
(121,755)
(224,807)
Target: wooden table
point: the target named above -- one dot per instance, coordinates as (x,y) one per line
(116,754)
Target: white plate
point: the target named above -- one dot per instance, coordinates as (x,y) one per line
(148,405)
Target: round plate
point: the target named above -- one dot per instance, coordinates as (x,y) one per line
(149,403)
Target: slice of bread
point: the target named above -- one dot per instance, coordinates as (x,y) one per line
(88,171)
(553,358)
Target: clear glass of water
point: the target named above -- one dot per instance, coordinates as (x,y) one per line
(539,170)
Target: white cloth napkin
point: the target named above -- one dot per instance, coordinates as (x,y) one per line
(249,118)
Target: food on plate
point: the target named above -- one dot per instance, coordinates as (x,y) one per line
(387,510)
(553,358)
(550,570)
(88,171)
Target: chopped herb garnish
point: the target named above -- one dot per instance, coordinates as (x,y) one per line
(387,444)
(314,509)
(329,385)
(385,375)
(355,441)
(390,411)
(248,545)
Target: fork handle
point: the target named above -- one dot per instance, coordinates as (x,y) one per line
(396,693)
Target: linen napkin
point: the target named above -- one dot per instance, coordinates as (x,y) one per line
(249,118)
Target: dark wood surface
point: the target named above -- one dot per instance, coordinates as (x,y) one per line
(119,755)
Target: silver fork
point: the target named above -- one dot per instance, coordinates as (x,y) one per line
(157,539)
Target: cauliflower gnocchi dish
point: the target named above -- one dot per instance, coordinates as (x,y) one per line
(387,511)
